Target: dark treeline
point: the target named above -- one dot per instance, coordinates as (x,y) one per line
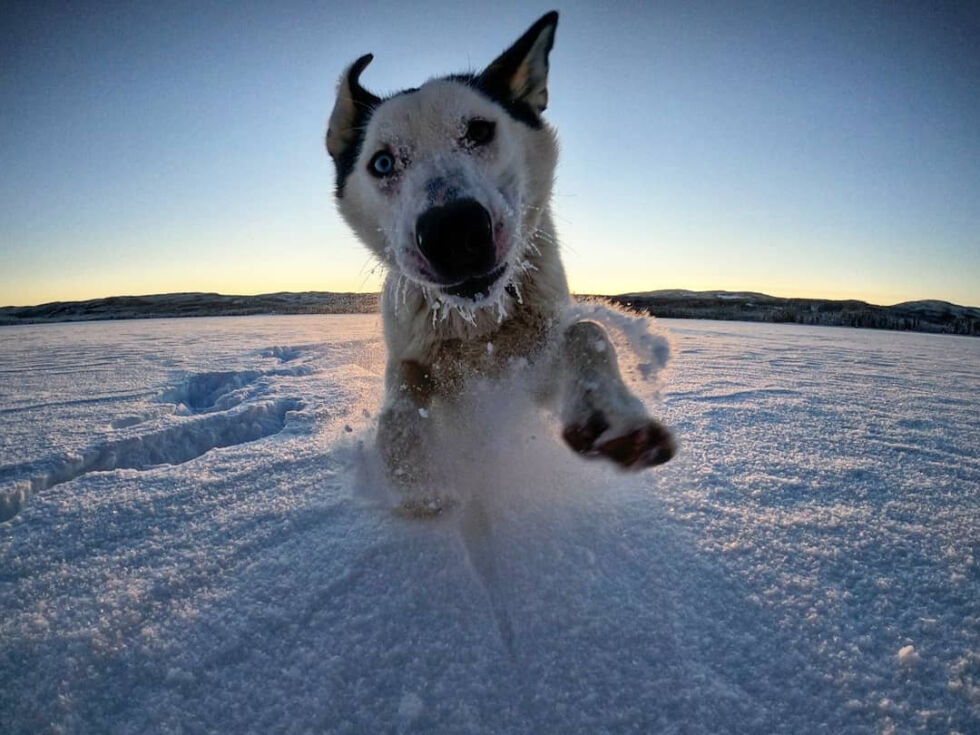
(919,316)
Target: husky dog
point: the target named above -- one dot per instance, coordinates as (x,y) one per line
(449,185)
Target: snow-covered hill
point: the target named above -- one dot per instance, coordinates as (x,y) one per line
(162,306)
(919,316)
(198,541)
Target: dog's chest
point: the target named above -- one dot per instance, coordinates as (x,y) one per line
(518,342)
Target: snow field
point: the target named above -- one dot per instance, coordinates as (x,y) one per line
(198,541)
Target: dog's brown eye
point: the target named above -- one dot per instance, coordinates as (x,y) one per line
(479,132)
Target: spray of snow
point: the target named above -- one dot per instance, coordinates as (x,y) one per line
(642,349)
(505,480)
(494,446)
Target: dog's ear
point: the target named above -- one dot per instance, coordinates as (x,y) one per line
(520,74)
(352,105)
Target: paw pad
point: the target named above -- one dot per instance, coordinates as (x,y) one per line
(645,446)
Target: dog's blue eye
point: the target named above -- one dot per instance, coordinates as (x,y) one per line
(382,164)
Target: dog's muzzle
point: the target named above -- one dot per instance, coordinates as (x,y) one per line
(457,241)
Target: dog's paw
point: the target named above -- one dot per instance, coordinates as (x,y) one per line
(634,448)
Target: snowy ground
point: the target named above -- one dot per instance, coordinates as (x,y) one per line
(195,542)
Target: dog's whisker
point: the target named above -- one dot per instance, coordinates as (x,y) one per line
(543,235)
(378,266)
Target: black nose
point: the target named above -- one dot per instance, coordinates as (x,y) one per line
(457,239)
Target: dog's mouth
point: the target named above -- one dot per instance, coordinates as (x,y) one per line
(477,287)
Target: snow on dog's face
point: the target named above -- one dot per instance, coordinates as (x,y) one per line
(446,183)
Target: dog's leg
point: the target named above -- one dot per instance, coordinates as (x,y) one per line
(402,430)
(601,417)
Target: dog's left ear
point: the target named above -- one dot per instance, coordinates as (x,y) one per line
(520,74)
(353,104)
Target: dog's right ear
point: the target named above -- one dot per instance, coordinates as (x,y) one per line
(353,104)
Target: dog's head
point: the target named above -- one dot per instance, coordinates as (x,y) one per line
(446,183)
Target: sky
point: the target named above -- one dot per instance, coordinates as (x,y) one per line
(799,149)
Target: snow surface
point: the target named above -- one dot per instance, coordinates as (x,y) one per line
(197,541)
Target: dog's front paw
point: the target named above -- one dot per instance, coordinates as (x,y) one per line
(633,448)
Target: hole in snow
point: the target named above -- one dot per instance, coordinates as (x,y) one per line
(207,392)
(284,353)
(173,445)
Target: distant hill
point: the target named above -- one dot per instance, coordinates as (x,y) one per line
(920,316)
(191,304)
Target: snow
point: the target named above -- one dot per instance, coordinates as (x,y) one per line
(907,655)
(197,540)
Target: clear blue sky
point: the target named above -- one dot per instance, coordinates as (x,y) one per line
(812,149)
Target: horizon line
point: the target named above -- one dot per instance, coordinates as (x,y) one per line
(368,293)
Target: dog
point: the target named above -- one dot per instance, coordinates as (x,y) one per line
(449,185)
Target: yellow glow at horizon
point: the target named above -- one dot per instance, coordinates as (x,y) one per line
(337,262)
